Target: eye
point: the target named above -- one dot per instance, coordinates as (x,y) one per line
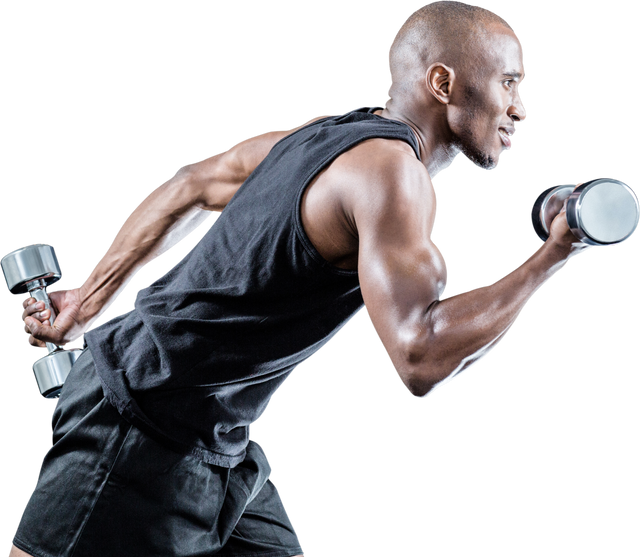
(509,82)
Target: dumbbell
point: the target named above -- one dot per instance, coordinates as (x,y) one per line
(599,212)
(31,269)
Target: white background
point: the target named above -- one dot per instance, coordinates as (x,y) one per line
(534,450)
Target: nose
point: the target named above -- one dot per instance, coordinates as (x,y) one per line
(516,111)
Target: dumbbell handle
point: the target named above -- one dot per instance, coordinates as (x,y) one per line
(38,290)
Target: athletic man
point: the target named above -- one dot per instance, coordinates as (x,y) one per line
(151,453)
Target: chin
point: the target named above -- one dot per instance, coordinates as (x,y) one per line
(483,160)
(477,156)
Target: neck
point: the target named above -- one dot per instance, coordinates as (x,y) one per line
(429,125)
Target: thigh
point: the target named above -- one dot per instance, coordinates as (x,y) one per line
(156,502)
(264,529)
(107,489)
(88,434)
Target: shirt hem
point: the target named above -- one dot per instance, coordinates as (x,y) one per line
(131,413)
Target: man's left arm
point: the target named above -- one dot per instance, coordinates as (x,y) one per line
(402,276)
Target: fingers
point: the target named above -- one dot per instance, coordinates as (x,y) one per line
(36,309)
(33,308)
(31,324)
(37,319)
(36,324)
(41,333)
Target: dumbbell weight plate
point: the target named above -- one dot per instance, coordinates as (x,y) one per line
(602,212)
(546,207)
(52,370)
(26,264)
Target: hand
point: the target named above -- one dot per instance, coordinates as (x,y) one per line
(561,235)
(67,326)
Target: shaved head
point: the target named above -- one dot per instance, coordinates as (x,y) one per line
(455,73)
(452,33)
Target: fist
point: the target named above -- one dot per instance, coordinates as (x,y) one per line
(68,324)
(560,233)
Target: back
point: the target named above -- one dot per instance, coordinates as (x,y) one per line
(207,345)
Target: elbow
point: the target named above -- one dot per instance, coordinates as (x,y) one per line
(422,364)
(419,389)
(416,368)
(420,382)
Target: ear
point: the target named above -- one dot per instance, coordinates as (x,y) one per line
(439,81)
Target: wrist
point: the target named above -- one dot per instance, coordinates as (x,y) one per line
(91,302)
(554,255)
(556,251)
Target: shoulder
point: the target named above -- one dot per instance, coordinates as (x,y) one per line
(383,175)
(385,162)
(215,180)
(243,156)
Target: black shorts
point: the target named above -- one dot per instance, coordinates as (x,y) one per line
(107,489)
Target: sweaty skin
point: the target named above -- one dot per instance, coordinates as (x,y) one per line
(372,210)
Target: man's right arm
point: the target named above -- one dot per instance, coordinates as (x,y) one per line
(159,222)
(162,219)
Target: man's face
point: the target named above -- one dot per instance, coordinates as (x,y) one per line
(487,103)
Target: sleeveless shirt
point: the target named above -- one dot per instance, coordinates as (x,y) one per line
(206,346)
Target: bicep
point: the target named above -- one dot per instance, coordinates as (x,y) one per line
(399,282)
(402,272)
(217,178)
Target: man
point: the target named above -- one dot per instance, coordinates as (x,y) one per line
(151,452)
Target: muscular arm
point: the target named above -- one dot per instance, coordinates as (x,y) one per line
(402,276)
(162,219)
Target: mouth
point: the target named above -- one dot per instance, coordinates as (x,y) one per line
(505,135)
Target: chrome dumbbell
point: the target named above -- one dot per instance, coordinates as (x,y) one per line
(31,269)
(599,212)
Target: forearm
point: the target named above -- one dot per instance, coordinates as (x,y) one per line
(171,212)
(160,221)
(456,331)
